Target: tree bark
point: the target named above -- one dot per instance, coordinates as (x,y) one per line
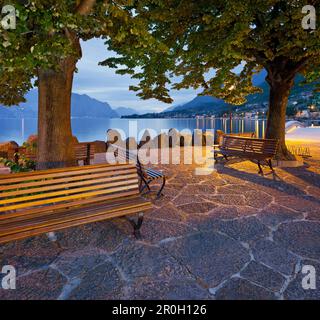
(55,142)
(278,101)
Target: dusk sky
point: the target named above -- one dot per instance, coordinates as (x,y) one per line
(103,84)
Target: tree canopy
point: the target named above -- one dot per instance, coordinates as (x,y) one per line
(199,36)
(45,33)
(160,41)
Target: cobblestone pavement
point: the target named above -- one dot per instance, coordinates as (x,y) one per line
(229,235)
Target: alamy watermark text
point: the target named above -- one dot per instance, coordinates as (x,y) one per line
(8,20)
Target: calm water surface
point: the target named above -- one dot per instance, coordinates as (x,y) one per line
(95,129)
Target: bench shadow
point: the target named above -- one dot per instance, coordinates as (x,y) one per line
(312,178)
(276,184)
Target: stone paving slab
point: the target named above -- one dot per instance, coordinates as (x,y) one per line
(230,235)
(263,275)
(240,289)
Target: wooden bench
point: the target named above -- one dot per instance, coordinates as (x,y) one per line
(147,175)
(219,134)
(46,201)
(3,154)
(261,150)
(84,151)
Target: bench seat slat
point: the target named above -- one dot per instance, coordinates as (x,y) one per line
(66,185)
(16,225)
(52,181)
(67,191)
(62,174)
(67,198)
(246,154)
(72,223)
(154,174)
(85,207)
(51,208)
(59,170)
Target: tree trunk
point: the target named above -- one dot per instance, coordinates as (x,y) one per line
(279,95)
(55,142)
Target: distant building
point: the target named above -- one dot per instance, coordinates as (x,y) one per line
(313,108)
(303,114)
(315,115)
(249,114)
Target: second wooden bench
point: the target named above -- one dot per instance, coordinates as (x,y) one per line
(260,150)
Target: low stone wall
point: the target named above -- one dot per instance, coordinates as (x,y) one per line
(99,146)
(4,170)
(171,139)
(8,149)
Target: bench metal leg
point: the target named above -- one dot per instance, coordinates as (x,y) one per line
(136,225)
(275,176)
(260,168)
(146,184)
(270,165)
(162,187)
(53,238)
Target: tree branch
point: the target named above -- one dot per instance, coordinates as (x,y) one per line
(299,66)
(85,7)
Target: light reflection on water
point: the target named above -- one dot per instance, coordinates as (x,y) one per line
(95,129)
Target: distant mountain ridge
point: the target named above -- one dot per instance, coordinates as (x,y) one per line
(207,101)
(123,111)
(207,105)
(82,106)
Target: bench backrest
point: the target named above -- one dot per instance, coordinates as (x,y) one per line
(35,191)
(219,134)
(84,151)
(267,147)
(30,154)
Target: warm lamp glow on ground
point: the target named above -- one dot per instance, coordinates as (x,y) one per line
(227,235)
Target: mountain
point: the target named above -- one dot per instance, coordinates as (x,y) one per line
(123,111)
(298,92)
(82,106)
(199,105)
(27,109)
(208,102)
(200,101)
(258,80)
(171,108)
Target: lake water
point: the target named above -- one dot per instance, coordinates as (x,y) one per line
(95,129)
